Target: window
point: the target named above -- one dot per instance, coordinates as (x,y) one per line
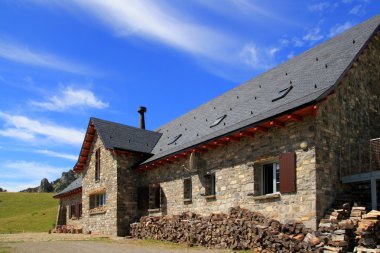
(97,164)
(282,93)
(72,211)
(270,182)
(187,189)
(155,196)
(79,206)
(210,184)
(75,211)
(175,139)
(97,200)
(218,121)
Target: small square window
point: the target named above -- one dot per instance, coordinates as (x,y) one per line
(187,189)
(97,200)
(210,184)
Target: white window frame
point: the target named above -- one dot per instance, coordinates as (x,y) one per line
(276,166)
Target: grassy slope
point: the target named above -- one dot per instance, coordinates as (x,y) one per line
(29,212)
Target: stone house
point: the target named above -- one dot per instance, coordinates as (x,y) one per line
(286,143)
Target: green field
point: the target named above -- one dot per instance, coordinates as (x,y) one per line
(27,212)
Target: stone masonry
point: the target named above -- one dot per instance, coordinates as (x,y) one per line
(104,220)
(345,123)
(234,166)
(66,202)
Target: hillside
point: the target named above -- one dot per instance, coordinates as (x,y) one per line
(56,185)
(32,212)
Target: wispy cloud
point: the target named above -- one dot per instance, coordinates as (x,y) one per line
(70,97)
(319,7)
(156,21)
(357,9)
(16,52)
(313,35)
(258,58)
(56,154)
(18,175)
(24,128)
(340,28)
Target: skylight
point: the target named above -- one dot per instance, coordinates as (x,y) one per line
(175,139)
(282,93)
(218,120)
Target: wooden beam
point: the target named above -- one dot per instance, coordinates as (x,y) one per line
(362,177)
(276,123)
(295,117)
(314,110)
(260,128)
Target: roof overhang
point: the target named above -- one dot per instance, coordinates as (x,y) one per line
(67,194)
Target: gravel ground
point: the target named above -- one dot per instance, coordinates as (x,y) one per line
(68,243)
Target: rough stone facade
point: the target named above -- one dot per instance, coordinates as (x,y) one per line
(234,165)
(345,123)
(103,220)
(350,116)
(66,202)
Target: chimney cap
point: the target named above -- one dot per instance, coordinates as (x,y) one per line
(141,109)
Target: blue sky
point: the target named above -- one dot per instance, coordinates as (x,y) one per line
(64,61)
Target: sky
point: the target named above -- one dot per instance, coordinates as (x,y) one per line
(62,62)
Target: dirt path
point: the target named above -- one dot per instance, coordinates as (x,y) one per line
(68,243)
(92,247)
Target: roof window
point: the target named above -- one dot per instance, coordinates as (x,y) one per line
(175,139)
(218,120)
(282,93)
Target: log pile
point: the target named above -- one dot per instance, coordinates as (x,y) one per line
(368,231)
(346,228)
(66,229)
(237,230)
(341,230)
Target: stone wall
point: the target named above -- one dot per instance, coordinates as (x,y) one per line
(345,123)
(234,166)
(67,202)
(127,182)
(104,220)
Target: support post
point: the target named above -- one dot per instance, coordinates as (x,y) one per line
(373,194)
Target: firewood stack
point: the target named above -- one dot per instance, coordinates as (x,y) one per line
(239,229)
(368,231)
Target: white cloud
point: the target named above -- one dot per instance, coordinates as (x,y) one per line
(337,29)
(156,21)
(30,128)
(56,154)
(290,55)
(71,97)
(17,133)
(357,10)
(258,58)
(319,7)
(15,52)
(18,175)
(313,35)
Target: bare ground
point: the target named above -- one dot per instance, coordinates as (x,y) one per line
(69,243)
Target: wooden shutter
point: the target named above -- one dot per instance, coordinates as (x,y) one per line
(288,172)
(77,210)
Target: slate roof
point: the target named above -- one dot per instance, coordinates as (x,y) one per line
(77,183)
(312,75)
(118,136)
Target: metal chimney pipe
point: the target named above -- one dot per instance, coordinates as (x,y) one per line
(142,111)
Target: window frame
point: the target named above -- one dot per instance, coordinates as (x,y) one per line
(187,189)
(97,164)
(210,185)
(98,200)
(275,178)
(155,197)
